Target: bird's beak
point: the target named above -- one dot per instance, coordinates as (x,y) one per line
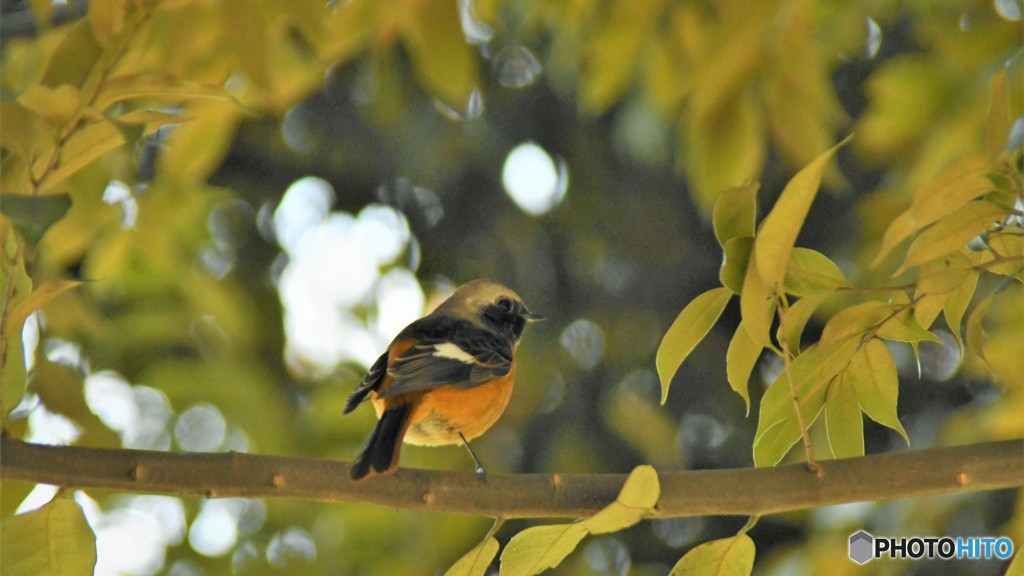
(531,317)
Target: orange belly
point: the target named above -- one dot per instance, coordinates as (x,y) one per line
(439,415)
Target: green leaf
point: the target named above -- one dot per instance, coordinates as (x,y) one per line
(778,233)
(18,125)
(810,272)
(536,549)
(797,317)
(740,361)
(726,557)
(957,304)
(33,215)
(54,540)
(976,330)
(872,373)
(106,18)
(690,327)
(56,106)
(843,422)
(636,500)
(952,232)
(958,184)
(476,561)
(735,213)
(777,427)
(735,261)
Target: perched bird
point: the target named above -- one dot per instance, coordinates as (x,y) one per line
(446,378)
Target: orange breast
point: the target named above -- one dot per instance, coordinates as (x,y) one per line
(440,414)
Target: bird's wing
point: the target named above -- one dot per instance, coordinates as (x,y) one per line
(369,382)
(463,356)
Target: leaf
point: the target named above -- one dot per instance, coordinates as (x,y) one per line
(54,540)
(32,216)
(740,360)
(106,18)
(952,233)
(56,106)
(843,422)
(85,147)
(957,304)
(40,297)
(477,560)
(536,549)
(903,327)
(735,213)
(757,305)
(958,184)
(636,500)
(976,330)
(945,275)
(735,261)
(726,557)
(777,427)
(444,63)
(778,233)
(74,58)
(872,373)
(855,320)
(811,272)
(690,327)
(244,27)
(998,126)
(797,317)
(15,130)
(160,85)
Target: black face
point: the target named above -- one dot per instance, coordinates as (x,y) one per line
(505,316)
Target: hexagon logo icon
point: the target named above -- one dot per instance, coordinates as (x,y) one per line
(861,547)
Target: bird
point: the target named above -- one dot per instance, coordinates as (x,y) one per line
(445,379)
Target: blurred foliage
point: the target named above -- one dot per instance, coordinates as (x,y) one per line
(174,128)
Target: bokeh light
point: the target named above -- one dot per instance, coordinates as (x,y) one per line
(532,180)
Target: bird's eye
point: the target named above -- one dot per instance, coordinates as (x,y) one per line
(505,304)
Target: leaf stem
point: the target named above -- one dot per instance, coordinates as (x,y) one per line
(812,464)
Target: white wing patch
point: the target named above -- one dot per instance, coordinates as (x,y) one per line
(452,351)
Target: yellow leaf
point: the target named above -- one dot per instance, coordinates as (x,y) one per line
(86,146)
(57,106)
(903,327)
(39,298)
(782,225)
(245,30)
(976,330)
(197,147)
(54,540)
(653,440)
(476,561)
(159,85)
(735,213)
(636,500)
(945,275)
(740,361)
(690,327)
(777,427)
(106,18)
(872,373)
(444,63)
(726,557)
(74,58)
(928,308)
(797,317)
(855,320)
(843,421)
(536,549)
(811,272)
(952,232)
(958,184)
(757,304)
(735,262)
(957,304)
(998,126)
(18,129)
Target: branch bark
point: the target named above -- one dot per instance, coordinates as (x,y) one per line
(746,491)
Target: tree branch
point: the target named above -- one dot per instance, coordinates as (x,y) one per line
(747,491)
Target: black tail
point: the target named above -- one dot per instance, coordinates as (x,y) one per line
(380,455)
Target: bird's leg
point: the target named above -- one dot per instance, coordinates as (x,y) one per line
(480,472)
